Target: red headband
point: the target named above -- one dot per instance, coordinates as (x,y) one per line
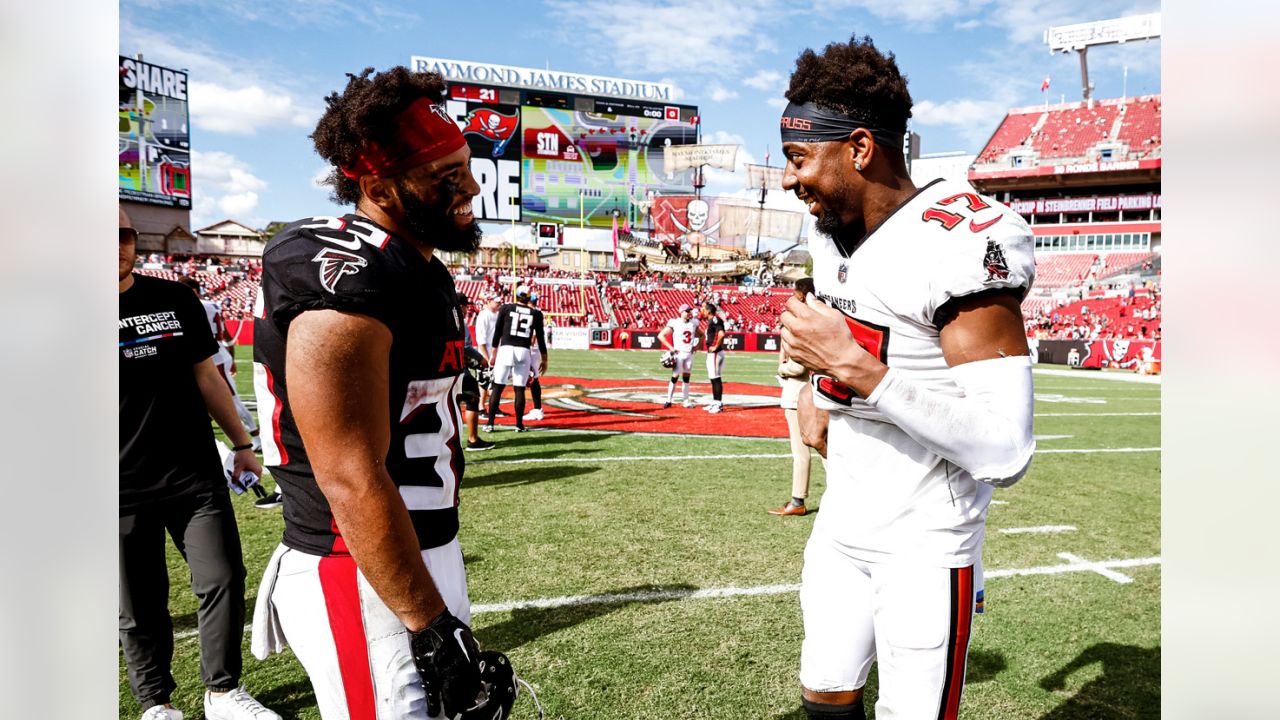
(424,132)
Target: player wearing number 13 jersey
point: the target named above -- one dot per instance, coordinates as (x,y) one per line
(359,356)
(914,336)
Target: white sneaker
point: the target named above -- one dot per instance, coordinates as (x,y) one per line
(160,712)
(688,404)
(714,408)
(235,705)
(534,414)
(488,428)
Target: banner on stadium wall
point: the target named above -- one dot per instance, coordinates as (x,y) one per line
(686,219)
(683,157)
(1068,169)
(1106,203)
(1095,354)
(768,342)
(154,135)
(569,338)
(627,338)
(492,131)
(644,340)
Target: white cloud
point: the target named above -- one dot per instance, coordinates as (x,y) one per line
(719,93)
(765,80)
(243,110)
(958,112)
(664,36)
(223,187)
(225,96)
(777,102)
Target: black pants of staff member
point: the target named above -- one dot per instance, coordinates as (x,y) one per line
(203,528)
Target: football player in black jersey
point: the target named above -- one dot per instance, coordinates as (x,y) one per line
(516,328)
(358,363)
(715,355)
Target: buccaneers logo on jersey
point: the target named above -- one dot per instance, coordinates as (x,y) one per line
(335,264)
(996,266)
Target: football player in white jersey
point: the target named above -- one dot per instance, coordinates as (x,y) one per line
(681,336)
(915,340)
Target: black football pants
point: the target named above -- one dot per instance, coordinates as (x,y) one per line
(203,528)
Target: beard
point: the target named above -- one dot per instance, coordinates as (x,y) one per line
(431,223)
(845,235)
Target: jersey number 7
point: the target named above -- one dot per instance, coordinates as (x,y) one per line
(871,337)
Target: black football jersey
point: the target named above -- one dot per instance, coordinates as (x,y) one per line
(352,264)
(715,333)
(518,325)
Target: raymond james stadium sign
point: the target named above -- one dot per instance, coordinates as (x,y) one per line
(533,78)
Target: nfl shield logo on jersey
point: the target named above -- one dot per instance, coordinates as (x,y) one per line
(842,273)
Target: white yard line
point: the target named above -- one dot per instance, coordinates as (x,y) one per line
(1074,564)
(741,456)
(1039,529)
(1098,450)
(1103,569)
(1101,414)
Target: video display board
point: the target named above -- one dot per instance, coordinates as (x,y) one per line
(154,134)
(610,160)
(490,121)
(535,153)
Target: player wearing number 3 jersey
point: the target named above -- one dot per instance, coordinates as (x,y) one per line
(358,362)
(920,365)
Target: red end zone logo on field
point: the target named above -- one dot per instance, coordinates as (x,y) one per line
(636,406)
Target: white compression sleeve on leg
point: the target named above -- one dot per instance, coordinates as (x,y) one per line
(987,432)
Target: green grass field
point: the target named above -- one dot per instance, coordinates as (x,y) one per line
(1054,645)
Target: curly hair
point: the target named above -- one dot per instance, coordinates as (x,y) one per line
(853,79)
(365,112)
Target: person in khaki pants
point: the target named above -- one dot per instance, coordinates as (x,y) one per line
(793,378)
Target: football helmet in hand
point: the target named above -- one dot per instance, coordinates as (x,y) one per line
(448,660)
(669,359)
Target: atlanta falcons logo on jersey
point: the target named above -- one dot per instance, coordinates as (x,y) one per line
(334,264)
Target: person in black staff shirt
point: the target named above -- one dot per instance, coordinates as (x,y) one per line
(513,332)
(359,357)
(715,356)
(171,478)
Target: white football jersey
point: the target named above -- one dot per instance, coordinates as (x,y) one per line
(887,495)
(684,334)
(211,310)
(485,320)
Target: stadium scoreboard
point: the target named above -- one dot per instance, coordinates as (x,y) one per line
(542,154)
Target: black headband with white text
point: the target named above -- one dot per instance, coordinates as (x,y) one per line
(809,123)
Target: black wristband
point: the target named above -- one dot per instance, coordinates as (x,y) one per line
(246,446)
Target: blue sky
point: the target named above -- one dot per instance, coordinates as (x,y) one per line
(260,68)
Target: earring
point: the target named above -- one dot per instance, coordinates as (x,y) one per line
(857,166)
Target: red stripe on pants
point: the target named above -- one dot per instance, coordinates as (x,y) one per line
(962,605)
(342,602)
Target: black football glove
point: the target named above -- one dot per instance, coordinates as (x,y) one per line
(448,660)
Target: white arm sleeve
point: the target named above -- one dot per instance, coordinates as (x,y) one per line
(987,432)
